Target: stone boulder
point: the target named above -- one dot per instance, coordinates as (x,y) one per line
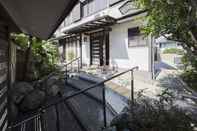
(13,111)
(32,101)
(110,129)
(19,91)
(52,86)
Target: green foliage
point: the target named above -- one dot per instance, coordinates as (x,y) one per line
(189,64)
(190,77)
(173,51)
(159,115)
(21,39)
(71,55)
(173,19)
(44,54)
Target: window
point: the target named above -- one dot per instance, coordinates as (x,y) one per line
(91,6)
(135,38)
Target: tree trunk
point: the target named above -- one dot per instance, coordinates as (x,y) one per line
(27,56)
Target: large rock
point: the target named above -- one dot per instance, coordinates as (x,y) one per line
(13,111)
(19,91)
(52,86)
(32,101)
(110,129)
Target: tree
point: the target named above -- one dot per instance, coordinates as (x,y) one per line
(43,54)
(175,20)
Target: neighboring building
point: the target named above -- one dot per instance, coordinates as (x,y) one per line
(169,60)
(163,44)
(107,32)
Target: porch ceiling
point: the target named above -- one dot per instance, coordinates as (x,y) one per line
(98,23)
(39,18)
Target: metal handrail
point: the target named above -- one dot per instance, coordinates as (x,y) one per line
(70,63)
(42,109)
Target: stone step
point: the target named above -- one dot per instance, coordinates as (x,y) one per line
(82,84)
(66,120)
(90,112)
(87,109)
(114,100)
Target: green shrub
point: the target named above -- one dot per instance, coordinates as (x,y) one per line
(44,54)
(71,55)
(155,115)
(190,77)
(173,51)
(190,62)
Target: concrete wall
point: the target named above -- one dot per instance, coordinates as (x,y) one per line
(4,43)
(123,56)
(85,49)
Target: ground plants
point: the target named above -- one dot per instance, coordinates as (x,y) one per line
(161,114)
(40,54)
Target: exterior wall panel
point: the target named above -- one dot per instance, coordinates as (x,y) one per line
(76,12)
(3,77)
(123,56)
(111,2)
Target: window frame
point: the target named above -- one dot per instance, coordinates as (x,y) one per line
(140,36)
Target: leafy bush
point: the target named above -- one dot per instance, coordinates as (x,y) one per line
(190,77)
(190,71)
(173,51)
(156,115)
(43,55)
(71,55)
(190,62)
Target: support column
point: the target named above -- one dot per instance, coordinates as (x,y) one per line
(64,52)
(80,44)
(4,77)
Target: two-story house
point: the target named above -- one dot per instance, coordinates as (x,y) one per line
(107,32)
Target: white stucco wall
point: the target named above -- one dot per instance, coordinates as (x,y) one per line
(123,56)
(85,50)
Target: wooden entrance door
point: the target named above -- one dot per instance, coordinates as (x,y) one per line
(99,48)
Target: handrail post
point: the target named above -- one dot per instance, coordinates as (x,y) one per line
(66,74)
(104,108)
(132,87)
(78,64)
(71,66)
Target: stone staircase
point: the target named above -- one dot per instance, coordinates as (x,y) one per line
(80,113)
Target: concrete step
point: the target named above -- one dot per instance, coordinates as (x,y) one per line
(114,99)
(79,84)
(89,112)
(66,120)
(80,113)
